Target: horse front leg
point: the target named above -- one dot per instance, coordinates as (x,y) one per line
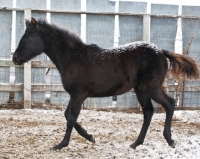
(84,133)
(74,108)
(80,129)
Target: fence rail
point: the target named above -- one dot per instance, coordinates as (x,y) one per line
(100,13)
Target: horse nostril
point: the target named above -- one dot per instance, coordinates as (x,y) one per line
(14,59)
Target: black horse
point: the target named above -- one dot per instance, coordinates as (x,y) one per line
(91,71)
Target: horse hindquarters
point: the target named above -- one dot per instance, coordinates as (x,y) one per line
(149,86)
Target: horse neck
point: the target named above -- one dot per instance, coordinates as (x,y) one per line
(57,48)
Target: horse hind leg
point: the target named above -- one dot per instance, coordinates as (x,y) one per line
(148,110)
(168,103)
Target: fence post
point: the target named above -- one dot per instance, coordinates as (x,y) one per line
(146,27)
(146,34)
(27,71)
(83,20)
(179,49)
(116,41)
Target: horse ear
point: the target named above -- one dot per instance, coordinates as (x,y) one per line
(34,22)
(27,22)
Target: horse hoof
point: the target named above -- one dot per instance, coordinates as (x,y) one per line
(172,145)
(57,148)
(133,146)
(92,139)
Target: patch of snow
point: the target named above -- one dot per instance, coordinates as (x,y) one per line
(31,134)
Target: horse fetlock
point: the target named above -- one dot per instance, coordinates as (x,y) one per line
(59,146)
(135,144)
(92,139)
(171,143)
(169,140)
(167,136)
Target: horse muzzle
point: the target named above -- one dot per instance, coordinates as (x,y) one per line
(15,60)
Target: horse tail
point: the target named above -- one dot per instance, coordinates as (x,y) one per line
(182,65)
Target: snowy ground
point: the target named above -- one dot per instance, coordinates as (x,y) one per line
(31,134)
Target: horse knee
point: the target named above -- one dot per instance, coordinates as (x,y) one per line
(148,116)
(71,120)
(148,111)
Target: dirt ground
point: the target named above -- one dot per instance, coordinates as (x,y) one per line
(32,134)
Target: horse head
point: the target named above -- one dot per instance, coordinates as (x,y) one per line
(30,45)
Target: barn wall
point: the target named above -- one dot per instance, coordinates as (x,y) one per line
(191,30)
(5,45)
(100,30)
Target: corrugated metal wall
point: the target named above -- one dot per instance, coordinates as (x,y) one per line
(99,30)
(131,27)
(191,29)
(5,45)
(163,30)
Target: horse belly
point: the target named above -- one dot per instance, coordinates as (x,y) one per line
(122,90)
(115,83)
(108,93)
(106,90)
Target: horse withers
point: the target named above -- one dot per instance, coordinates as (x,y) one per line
(92,71)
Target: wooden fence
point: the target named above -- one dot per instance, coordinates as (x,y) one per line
(26,87)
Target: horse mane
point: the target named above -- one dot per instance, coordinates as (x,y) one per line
(70,37)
